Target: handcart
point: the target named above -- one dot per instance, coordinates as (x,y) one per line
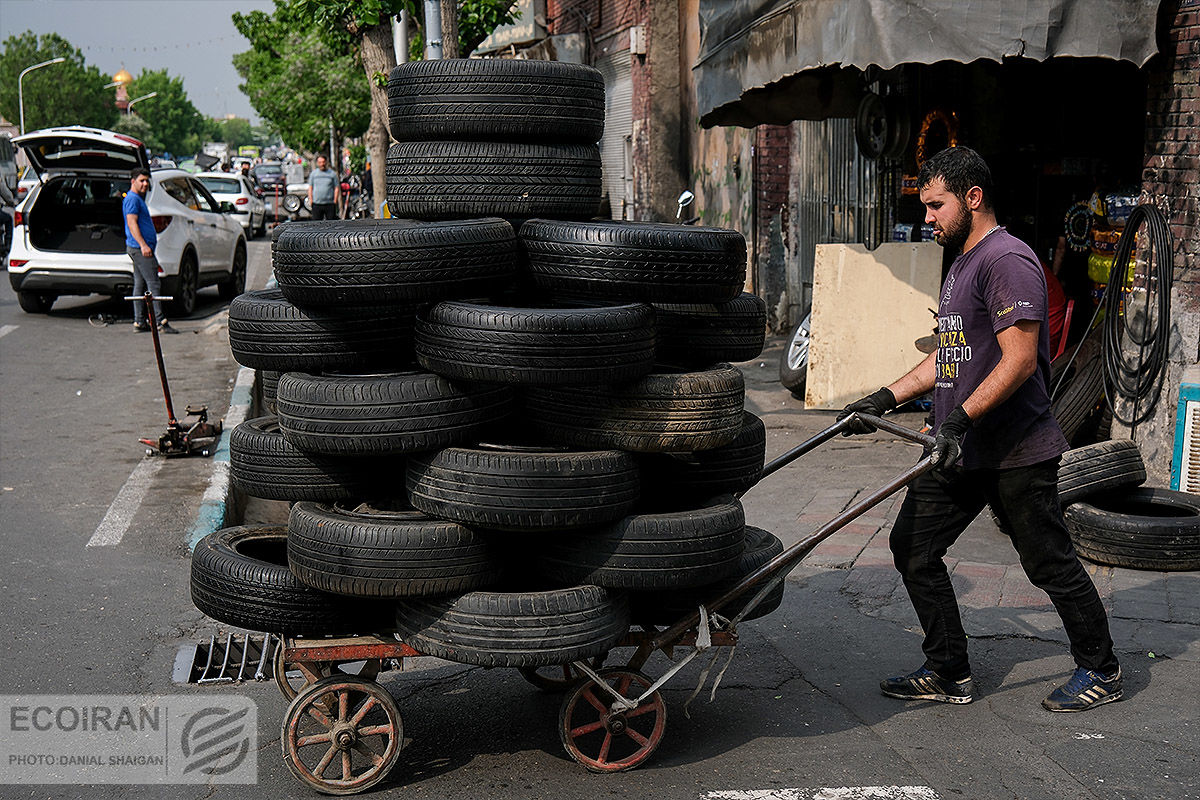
(342,732)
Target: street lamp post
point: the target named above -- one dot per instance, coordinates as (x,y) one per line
(20,89)
(129,108)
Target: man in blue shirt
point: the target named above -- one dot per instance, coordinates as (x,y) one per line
(140,239)
(323,190)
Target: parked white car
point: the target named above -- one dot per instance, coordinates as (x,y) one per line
(247,199)
(69,236)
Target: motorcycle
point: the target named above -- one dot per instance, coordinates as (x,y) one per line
(357,205)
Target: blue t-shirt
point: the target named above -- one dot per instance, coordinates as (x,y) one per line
(134,204)
(996,283)
(323,182)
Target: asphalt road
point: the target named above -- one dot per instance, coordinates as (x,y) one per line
(797,714)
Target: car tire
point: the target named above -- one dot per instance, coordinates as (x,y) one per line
(187,285)
(268,332)
(1155,529)
(667,608)
(661,412)
(496,100)
(1100,467)
(36,302)
(793,361)
(511,488)
(239,576)
(699,334)
(536,346)
(407,412)
(670,550)
(365,551)
(645,261)
(268,386)
(236,284)
(351,262)
(515,629)
(264,464)
(466,180)
(675,478)
(1081,393)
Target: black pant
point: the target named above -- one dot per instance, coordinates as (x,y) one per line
(324,211)
(935,512)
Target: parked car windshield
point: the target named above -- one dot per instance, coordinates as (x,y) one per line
(221,185)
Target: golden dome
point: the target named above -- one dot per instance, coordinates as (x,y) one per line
(123,76)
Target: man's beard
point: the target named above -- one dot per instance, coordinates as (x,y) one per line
(954,235)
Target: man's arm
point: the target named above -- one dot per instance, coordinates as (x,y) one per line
(131,224)
(916,381)
(1018,360)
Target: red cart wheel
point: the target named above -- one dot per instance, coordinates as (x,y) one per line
(342,735)
(612,741)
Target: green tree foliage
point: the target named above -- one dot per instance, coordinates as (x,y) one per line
(299,75)
(136,126)
(170,113)
(235,132)
(70,93)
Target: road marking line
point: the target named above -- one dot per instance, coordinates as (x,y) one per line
(831,793)
(120,514)
(214,504)
(7,329)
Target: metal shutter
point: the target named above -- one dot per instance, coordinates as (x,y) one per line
(616,146)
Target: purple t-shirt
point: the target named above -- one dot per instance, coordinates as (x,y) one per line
(996,283)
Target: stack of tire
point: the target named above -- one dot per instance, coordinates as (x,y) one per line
(1114,520)
(568,442)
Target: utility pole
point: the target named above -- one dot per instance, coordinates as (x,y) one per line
(450,29)
(400,37)
(433,30)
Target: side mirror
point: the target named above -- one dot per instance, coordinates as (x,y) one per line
(226,207)
(685,200)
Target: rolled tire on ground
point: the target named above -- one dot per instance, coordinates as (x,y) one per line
(667,608)
(264,464)
(647,261)
(364,551)
(379,261)
(512,488)
(466,180)
(240,577)
(1081,393)
(661,412)
(268,386)
(671,550)
(674,478)
(1099,468)
(267,332)
(536,346)
(699,334)
(526,629)
(403,412)
(1155,529)
(504,100)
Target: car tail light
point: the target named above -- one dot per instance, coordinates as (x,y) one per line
(18,262)
(160,223)
(241,201)
(129,139)
(18,218)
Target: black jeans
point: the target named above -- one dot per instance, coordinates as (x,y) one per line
(324,211)
(937,509)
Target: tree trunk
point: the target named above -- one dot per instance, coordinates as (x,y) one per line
(378,57)
(449,28)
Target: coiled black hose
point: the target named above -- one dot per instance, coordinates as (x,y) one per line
(1136,376)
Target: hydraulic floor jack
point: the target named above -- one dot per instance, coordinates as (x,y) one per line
(195,436)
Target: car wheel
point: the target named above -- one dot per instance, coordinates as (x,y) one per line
(237,275)
(793,362)
(187,286)
(261,230)
(35,302)
(249,232)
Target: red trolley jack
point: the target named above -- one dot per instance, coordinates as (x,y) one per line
(186,438)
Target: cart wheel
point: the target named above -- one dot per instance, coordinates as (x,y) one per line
(342,735)
(555,679)
(292,678)
(607,741)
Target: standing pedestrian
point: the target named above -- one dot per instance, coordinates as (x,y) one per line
(324,190)
(996,442)
(140,240)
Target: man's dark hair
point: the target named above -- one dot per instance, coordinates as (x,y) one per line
(960,168)
(137,172)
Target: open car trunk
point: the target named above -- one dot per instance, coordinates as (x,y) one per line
(77,214)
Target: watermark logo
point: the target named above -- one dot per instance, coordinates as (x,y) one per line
(128,739)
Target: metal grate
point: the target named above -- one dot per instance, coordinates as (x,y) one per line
(234,659)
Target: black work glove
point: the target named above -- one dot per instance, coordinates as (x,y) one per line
(876,404)
(947,442)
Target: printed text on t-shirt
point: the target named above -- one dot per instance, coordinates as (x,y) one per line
(952,349)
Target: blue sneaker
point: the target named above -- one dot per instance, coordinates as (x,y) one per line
(925,684)
(1085,690)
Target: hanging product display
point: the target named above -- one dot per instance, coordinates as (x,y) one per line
(1077,227)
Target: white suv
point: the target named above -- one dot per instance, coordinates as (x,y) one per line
(69,234)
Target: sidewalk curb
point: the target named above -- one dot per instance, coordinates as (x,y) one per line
(222,503)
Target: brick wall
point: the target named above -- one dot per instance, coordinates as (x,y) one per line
(772,153)
(600,17)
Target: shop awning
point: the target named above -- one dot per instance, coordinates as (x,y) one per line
(772,61)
